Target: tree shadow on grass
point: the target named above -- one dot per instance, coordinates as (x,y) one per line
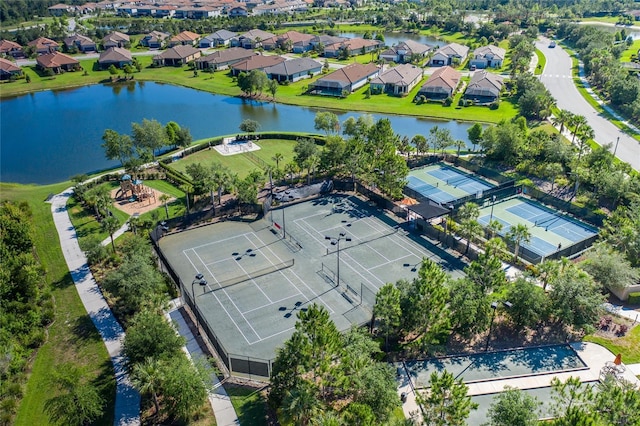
(84,329)
(253,410)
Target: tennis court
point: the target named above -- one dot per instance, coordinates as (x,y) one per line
(550,229)
(257,280)
(443,183)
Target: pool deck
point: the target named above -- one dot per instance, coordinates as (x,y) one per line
(593,355)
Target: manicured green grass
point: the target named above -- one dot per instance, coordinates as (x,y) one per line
(631,50)
(628,346)
(596,19)
(85,222)
(72,338)
(241,163)
(294,94)
(250,405)
(542,62)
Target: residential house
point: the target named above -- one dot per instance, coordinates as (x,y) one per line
(166,11)
(43,45)
(280,6)
(116,39)
(344,80)
(320,41)
(291,41)
(251,39)
(487,57)
(222,59)
(116,56)
(352,46)
(128,9)
(446,55)
(9,70)
(484,88)
(397,80)
(154,40)
(238,11)
(188,12)
(441,85)
(256,62)
(405,51)
(294,70)
(177,56)
(219,38)
(57,62)
(83,43)
(60,9)
(185,38)
(147,10)
(11,48)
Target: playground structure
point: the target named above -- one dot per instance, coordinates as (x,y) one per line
(136,190)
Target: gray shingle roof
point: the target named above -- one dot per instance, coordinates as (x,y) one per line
(293,66)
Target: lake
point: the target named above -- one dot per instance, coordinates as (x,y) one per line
(393,38)
(47,137)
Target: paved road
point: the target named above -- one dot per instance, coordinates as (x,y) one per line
(558,79)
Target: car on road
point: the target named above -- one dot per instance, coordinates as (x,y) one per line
(552,44)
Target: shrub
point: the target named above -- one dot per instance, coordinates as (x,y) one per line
(622,330)
(634,298)
(494,105)
(447,102)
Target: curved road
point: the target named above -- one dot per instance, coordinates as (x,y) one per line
(558,79)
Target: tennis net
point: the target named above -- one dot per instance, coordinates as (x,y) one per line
(255,274)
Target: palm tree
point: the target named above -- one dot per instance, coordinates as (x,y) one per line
(163,199)
(470,230)
(147,378)
(111,225)
(186,188)
(302,404)
(577,121)
(562,119)
(269,171)
(518,234)
(494,227)
(134,223)
(420,142)
(277,157)
(469,211)
(459,144)
(291,168)
(311,163)
(220,178)
(547,271)
(585,134)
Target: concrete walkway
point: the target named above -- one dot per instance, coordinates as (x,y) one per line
(127,407)
(220,401)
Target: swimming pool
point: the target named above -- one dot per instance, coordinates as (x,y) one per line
(497,365)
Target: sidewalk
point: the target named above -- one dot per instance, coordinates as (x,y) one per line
(127,406)
(220,401)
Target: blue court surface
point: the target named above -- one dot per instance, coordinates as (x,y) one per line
(443,183)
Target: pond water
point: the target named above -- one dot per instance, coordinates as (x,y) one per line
(47,137)
(635,34)
(391,38)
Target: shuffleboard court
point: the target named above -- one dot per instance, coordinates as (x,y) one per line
(550,229)
(443,183)
(257,281)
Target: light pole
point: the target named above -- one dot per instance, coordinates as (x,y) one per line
(199,278)
(493,202)
(494,306)
(336,242)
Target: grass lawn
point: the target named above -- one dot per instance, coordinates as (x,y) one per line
(72,338)
(222,83)
(628,346)
(542,62)
(249,403)
(176,207)
(606,19)
(85,222)
(241,163)
(631,50)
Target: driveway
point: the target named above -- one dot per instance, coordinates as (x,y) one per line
(558,79)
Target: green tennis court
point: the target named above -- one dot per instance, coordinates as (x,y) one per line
(550,229)
(257,280)
(443,183)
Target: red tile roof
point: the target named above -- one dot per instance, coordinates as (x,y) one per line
(55,59)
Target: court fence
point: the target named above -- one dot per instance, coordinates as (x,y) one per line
(238,365)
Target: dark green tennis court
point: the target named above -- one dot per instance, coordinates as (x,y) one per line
(443,183)
(258,279)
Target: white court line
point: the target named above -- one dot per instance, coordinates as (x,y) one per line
(219,302)
(230,299)
(316,296)
(219,241)
(245,271)
(273,303)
